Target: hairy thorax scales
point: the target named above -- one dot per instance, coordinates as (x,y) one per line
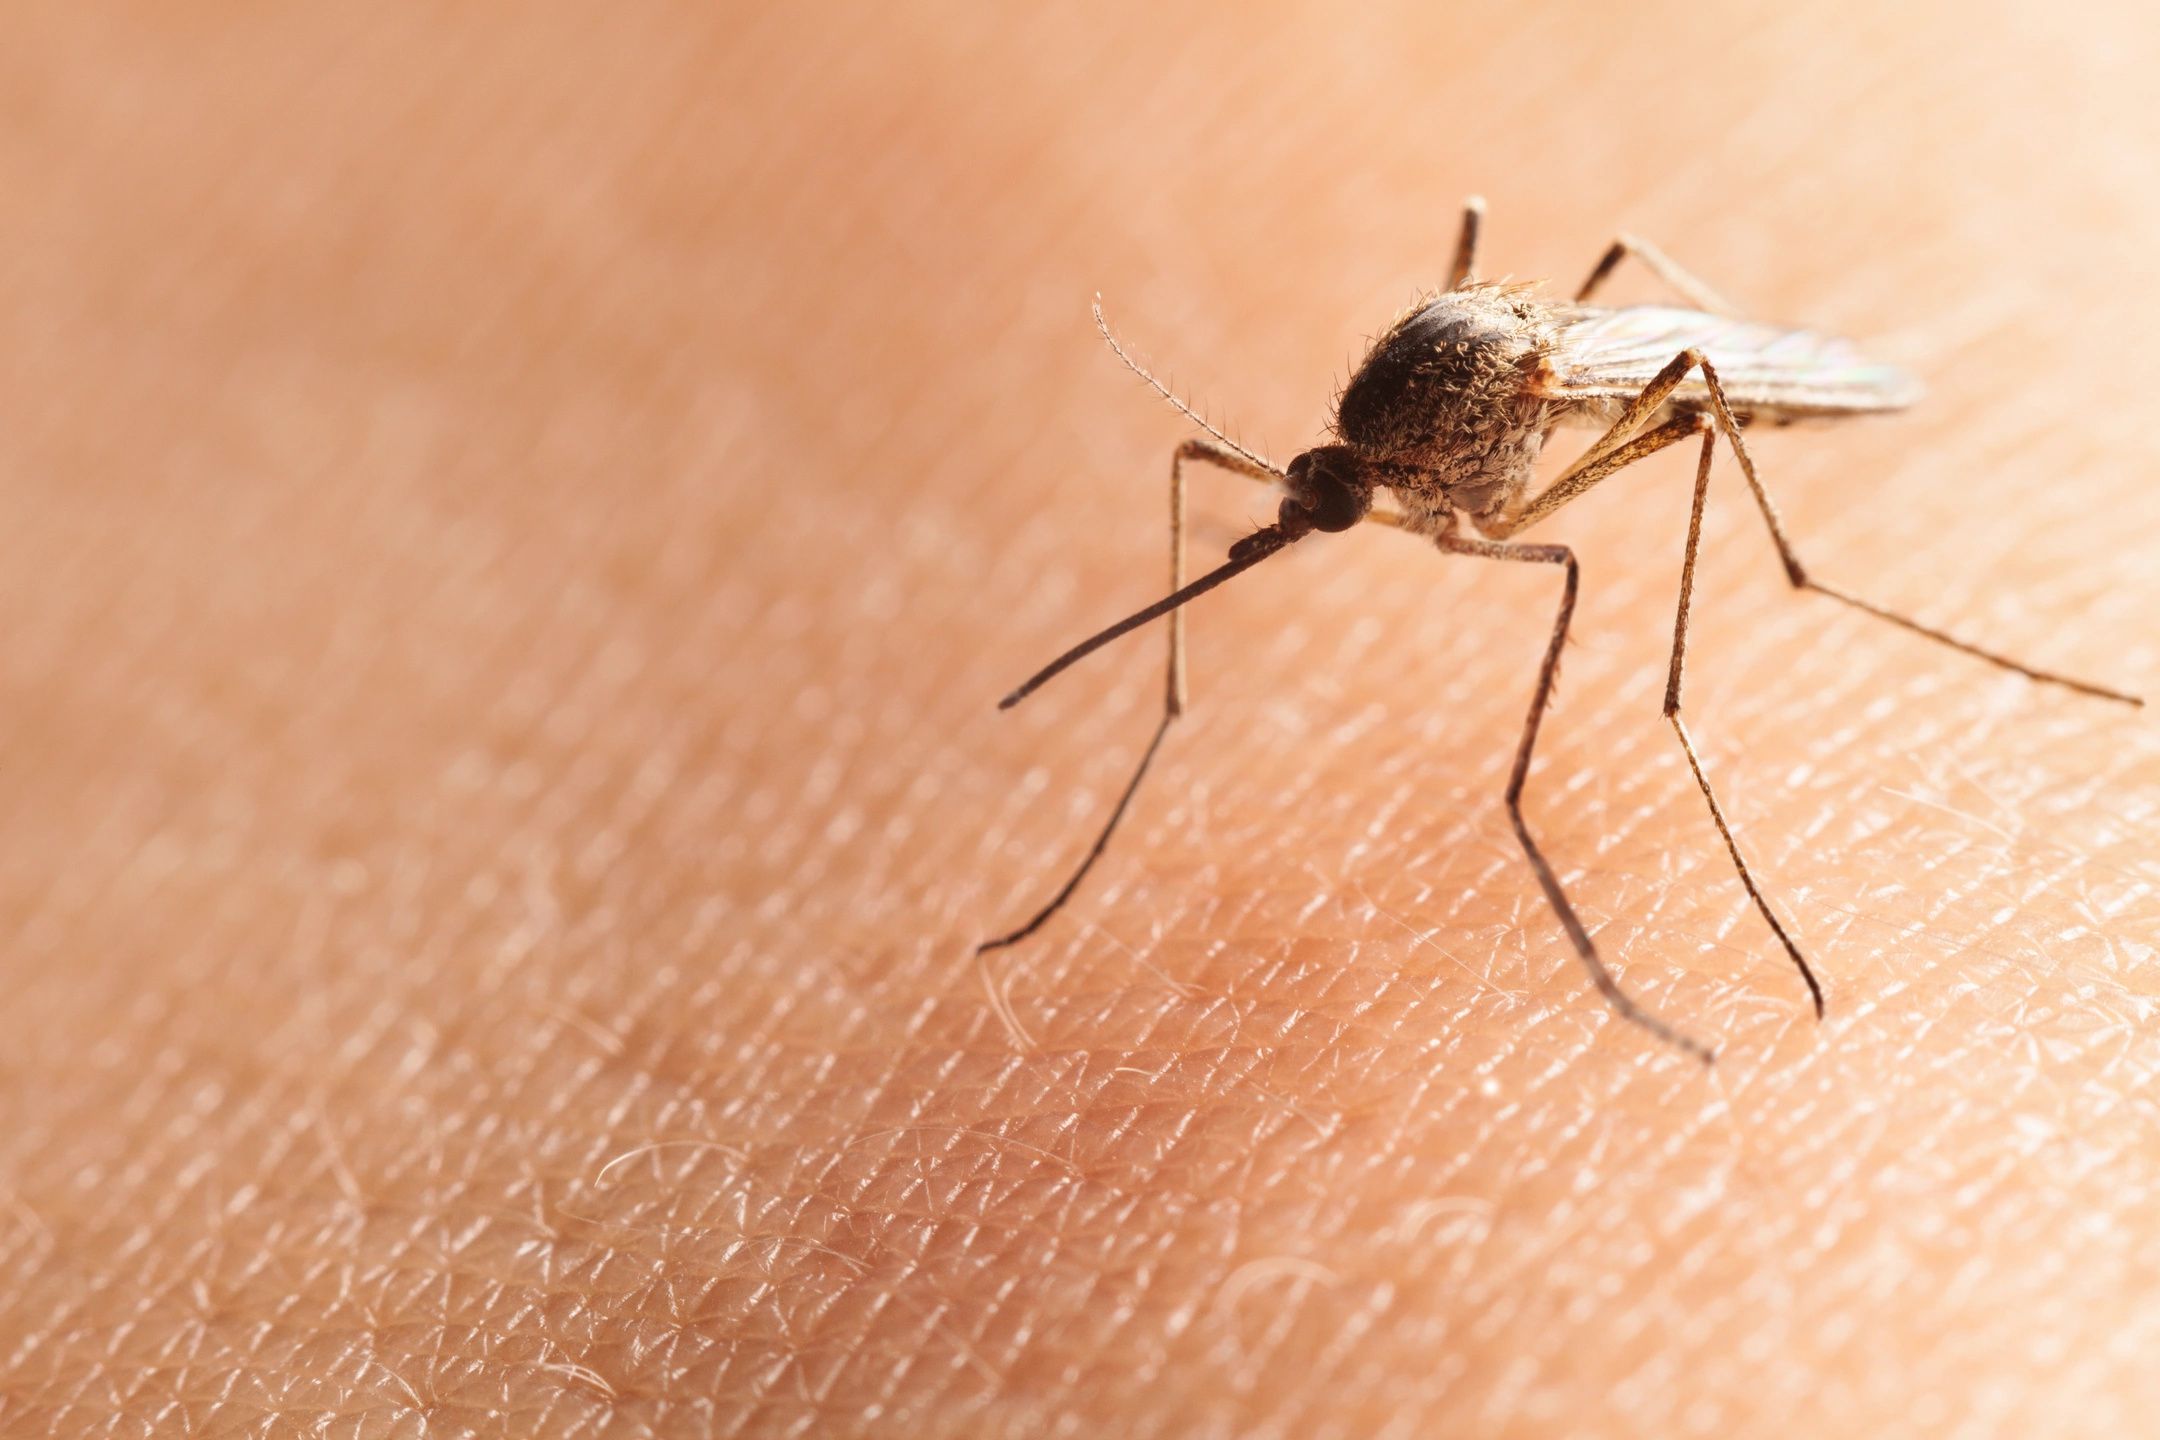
(1447,407)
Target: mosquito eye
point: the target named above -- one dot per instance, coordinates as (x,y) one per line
(1334,502)
(1327,491)
(1338,507)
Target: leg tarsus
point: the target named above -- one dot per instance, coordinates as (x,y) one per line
(1624,1005)
(1905,622)
(1747,876)
(1102,843)
(1174,696)
(1687,741)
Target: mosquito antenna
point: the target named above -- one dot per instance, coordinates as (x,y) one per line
(1172,396)
(1243,556)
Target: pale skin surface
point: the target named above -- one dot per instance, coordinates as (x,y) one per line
(515,531)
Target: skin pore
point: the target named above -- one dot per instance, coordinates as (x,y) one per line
(519,525)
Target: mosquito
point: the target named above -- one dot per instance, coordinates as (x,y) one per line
(1448,412)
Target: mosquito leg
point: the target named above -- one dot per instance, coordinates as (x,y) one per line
(1622,1003)
(1687,741)
(1174,680)
(1694,291)
(1594,467)
(1466,243)
(1614,449)
(1801,580)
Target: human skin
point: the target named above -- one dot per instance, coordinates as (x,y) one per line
(517,523)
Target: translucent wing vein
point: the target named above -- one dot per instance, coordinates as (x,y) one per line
(1612,354)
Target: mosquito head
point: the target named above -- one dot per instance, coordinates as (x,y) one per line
(1330,489)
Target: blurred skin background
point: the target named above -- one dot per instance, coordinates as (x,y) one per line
(517,518)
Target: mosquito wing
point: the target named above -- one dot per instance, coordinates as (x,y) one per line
(1766,370)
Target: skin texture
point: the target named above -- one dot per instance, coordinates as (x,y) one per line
(515,527)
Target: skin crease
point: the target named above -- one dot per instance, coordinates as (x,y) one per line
(517,524)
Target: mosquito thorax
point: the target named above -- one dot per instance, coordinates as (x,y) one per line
(1454,363)
(1330,489)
